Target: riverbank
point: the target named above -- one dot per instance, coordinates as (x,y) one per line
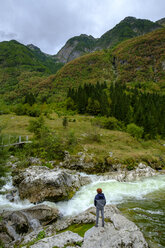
(137,188)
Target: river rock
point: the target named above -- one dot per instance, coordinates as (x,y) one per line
(17,223)
(118,232)
(141,171)
(66,239)
(39,183)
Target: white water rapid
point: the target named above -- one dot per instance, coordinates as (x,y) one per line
(115,193)
(17,204)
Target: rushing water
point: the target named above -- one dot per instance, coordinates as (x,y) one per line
(142,201)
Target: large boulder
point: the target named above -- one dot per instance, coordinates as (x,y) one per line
(17,223)
(38,183)
(65,239)
(118,232)
(141,171)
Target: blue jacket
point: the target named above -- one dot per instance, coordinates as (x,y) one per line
(100,201)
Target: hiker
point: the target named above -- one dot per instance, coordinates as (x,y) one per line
(99,203)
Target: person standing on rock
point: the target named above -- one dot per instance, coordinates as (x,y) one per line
(99,203)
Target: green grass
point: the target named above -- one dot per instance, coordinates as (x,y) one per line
(85,139)
(80,229)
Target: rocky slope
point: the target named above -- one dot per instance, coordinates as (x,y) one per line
(16,229)
(75,47)
(128,28)
(138,60)
(161,22)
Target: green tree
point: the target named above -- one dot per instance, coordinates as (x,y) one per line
(65,122)
(38,127)
(3,158)
(135,130)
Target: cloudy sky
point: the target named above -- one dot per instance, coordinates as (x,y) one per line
(48,24)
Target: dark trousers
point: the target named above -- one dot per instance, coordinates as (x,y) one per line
(97,216)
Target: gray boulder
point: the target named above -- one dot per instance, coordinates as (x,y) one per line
(141,171)
(38,183)
(118,232)
(15,224)
(66,239)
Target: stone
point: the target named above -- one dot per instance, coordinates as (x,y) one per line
(39,183)
(59,240)
(31,236)
(21,222)
(141,171)
(117,232)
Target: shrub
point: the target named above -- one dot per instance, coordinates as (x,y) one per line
(108,122)
(3,157)
(94,136)
(135,130)
(65,122)
(71,138)
(38,127)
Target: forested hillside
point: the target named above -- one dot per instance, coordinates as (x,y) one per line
(128,28)
(125,104)
(138,62)
(22,72)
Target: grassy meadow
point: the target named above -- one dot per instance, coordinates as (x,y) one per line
(115,146)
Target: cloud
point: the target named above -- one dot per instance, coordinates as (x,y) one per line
(7,36)
(49,24)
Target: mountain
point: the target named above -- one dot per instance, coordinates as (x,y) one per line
(21,71)
(138,61)
(128,28)
(75,47)
(161,22)
(46,59)
(27,70)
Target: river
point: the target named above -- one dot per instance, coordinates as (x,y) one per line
(141,201)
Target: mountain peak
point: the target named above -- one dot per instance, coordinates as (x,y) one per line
(161,22)
(129,18)
(33,47)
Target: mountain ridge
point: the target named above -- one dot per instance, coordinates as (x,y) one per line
(129,27)
(139,61)
(26,69)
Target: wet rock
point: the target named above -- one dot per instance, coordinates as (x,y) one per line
(60,240)
(10,197)
(38,183)
(141,171)
(17,223)
(43,213)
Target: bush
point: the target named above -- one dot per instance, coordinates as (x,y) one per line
(108,122)
(46,144)
(71,138)
(135,130)
(94,136)
(3,157)
(65,122)
(38,127)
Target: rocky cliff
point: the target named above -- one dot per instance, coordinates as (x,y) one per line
(128,28)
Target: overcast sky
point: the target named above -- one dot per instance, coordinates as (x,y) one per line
(48,24)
